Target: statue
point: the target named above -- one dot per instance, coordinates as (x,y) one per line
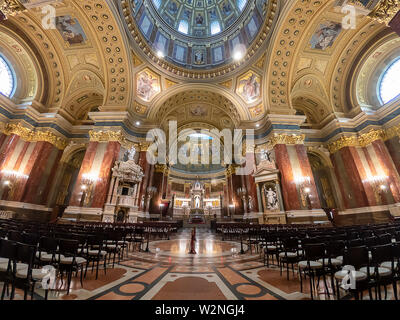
(272,199)
(197,202)
(250,203)
(128,170)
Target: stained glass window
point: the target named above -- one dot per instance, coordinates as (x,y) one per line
(6,78)
(389,85)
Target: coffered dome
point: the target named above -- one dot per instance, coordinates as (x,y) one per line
(198,34)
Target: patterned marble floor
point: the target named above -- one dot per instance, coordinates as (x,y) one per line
(167,272)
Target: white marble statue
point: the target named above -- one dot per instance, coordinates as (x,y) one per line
(197,202)
(272,199)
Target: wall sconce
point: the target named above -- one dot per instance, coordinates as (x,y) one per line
(88,182)
(304,184)
(12,177)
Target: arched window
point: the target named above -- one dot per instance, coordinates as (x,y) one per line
(215,27)
(183,26)
(241,4)
(6,78)
(389,85)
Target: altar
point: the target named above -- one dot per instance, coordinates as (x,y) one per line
(196,208)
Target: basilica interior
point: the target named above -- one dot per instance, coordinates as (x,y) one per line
(199,149)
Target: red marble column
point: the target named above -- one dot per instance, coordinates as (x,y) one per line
(350,181)
(237,182)
(157,181)
(85,167)
(10,144)
(289,190)
(37,164)
(102,186)
(307,172)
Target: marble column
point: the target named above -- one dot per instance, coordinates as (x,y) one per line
(293,163)
(393,147)
(144,184)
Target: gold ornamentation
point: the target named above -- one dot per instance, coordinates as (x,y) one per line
(29,135)
(385,11)
(109,136)
(11,7)
(161,168)
(341,143)
(227,84)
(371,136)
(283,138)
(169,83)
(357,141)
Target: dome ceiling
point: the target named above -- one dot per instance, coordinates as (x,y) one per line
(199,34)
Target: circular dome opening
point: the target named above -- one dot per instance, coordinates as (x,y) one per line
(389,87)
(6,78)
(199,34)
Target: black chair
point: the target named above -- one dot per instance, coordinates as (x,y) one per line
(68,260)
(8,256)
(354,259)
(95,252)
(382,254)
(313,265)
(47,251)
(26,277)
(385,238)
(289,254)
(271,248)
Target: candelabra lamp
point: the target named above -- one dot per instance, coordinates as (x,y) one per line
(89,181)
(11,179)
(242,193)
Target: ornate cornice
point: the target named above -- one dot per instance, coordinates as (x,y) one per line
(385,11)
(35,136)
(371,136)
(357,141)
(110,135)
(282,138)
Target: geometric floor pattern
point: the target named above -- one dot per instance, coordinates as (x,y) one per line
(168,272)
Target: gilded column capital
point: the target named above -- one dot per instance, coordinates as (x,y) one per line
(30,135)
(112,136)
(283,138)
(385,11)
(357,141)
(161,168)
(342,142)
(371,136)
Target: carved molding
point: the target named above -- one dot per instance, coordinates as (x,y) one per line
(385,11)
(357,141)
(109,136)
(11,7)
(35,136)
(283,138)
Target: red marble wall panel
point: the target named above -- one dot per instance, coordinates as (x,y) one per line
(103,184)
(340,175)
(146,170)
(289,190)
(307,172)
(85,167)
(363,173)
(393,146)
(35,167)
(388,167)
(352,175)
(11,142)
